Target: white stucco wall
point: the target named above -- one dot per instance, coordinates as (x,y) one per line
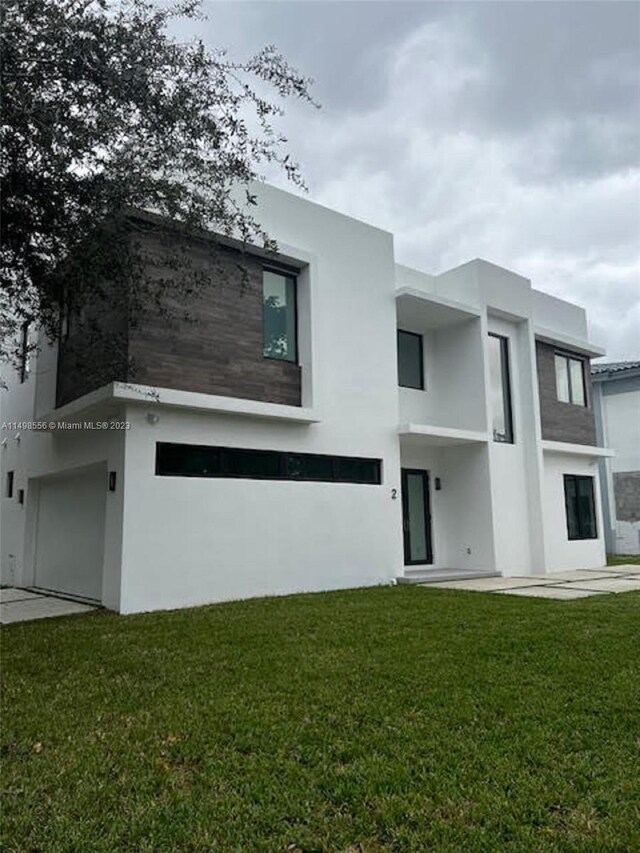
(622,418)
(563,553)
(191,541)
(172,542)
(515,487)
(38,454)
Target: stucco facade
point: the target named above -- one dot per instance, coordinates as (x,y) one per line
(485,505)
(617,406)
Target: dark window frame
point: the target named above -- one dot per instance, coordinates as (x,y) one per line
(24,352)
(292,274)
(428,524)
(283,467)
(582,524)
(505,371)
(419,387)
(9,484)
(568,357)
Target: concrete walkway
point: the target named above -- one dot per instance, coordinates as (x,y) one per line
(563,586)
(21,605)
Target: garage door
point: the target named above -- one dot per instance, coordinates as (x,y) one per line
(70,533)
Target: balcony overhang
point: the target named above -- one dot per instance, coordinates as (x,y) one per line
(565,447)
(108,401)
(426,435)
(423,311)
(578,345)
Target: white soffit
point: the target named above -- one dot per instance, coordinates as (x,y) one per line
(424,311)
(435,436)
(564,447)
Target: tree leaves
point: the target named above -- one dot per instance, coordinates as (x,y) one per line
(104,112)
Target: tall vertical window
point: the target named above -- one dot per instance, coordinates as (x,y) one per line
(500,389)
(279,316)
(580,507)
(8,490)
(410,360)
(570,379)
(24,352)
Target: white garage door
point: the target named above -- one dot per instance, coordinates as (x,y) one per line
(70,533)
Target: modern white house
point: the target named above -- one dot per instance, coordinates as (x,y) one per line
(616,400)
(338,421)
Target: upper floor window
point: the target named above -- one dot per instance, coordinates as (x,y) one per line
(410,360)
(580,507)
(24,352)
(570,379)
(500,389)
(279,316)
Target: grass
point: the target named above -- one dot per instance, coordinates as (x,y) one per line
(389,719)
(622,560)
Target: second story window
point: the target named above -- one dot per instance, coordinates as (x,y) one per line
(410,360)
(500,389)
(279,316)
(24,352)
(570,379)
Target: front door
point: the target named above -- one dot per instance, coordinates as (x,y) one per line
(416,517)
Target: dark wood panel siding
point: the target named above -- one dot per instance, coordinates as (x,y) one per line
(210,342)
(217,349)
(95,351)
(562,421)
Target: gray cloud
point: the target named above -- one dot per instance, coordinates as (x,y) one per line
(508,131)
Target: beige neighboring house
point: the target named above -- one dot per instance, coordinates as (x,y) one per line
(616,393)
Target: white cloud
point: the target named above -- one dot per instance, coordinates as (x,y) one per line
(451,191)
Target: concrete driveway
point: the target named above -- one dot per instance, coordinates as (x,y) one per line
(563,586)
(21,605)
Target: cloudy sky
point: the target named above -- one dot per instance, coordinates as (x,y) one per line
(503,130)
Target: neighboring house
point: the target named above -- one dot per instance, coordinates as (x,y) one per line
(616,397)
(339,421)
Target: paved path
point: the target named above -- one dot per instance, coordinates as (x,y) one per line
(20,605)
(562,586)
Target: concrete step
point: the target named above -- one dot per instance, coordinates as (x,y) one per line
(435,575)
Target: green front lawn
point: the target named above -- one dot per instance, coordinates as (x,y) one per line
(621,560)
(390,719)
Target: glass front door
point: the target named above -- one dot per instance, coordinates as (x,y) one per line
(416,517)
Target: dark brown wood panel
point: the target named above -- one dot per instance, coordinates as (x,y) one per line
(210,343)
(562,421)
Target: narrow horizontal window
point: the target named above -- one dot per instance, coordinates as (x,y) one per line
(580,507)
(279,320)
(190,460)
(570,381)
(305,466)
(410,360)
